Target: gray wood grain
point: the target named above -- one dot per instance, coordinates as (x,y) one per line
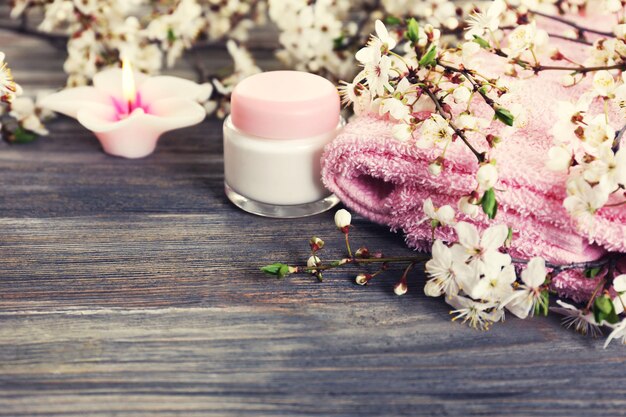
(131,288)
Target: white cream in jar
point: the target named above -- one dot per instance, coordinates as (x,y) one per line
(280,122)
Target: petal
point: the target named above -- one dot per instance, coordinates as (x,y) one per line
(70,101)
(508,274)
(459,302)
(469,280)
(446,214)
(429,208)
(467,234)
(496,259)
(382,32)
(521,306)
(618,304)
(109,82)
(535,273)
(619,331)
(157,88)
(441,253)
(164,115)
(619,283)
(459,253)
(494,237)
(364,55)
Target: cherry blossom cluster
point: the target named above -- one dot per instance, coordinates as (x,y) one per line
(20,118)
(433,95)
(151,34)
(430,92)
(479,279)
(586,141)
(316,36)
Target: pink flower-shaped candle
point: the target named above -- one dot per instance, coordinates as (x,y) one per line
(128,111)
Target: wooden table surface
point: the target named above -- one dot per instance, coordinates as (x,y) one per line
(131,288)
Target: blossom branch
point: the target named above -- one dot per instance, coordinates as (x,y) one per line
(479,155)
(579,28)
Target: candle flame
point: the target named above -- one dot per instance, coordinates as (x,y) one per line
(128,83)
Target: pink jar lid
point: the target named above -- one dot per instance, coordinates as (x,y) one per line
(285,105)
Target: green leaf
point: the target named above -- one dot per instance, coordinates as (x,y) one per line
(504,116)
(489,203)
(603,310)
(413,31)
(171,36)
(543,304)
(21,135)
(429,58)
(277,269)
(482,42)
(392,20)
(592,272)
(338,42)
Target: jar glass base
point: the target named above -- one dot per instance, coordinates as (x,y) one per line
(280,211)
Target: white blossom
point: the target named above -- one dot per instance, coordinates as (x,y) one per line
(485,249)
(583,322)
(443,215)
(479,315)
(619,331)
(523,301)
(525,37)
(443,271)
(495,284)
(603,84)
(584,200)
(481,22)
(7,85)
(466,207)
(434,130)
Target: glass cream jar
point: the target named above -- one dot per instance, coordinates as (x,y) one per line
(280,122)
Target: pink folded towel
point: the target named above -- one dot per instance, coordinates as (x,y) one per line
(387,181)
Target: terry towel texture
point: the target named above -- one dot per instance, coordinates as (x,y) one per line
(387,181)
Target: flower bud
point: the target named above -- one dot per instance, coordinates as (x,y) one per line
(362,279)
(556,55)
(510,70)
(342,220)
(432,288)
(362,252)
(400,288)
(492,140)
(435,168)
(462,94)
(487,176)
(474,197)
(568,80)
(466,207)
(316,243)
(313,261)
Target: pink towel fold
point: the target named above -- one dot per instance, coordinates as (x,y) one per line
(387,181)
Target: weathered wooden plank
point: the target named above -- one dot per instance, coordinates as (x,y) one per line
(306,359)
